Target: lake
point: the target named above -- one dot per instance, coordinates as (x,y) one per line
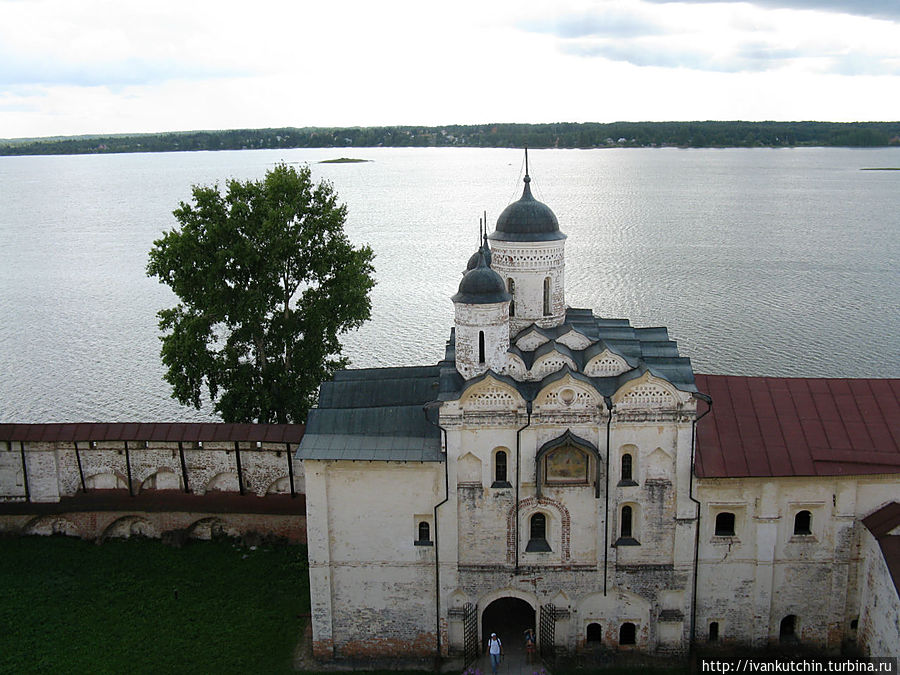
(760,262)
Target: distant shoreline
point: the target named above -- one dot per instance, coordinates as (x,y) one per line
(589,135)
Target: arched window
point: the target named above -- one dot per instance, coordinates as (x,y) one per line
(626,467)
(625,530)
(424,531)
(594,633)
(481,346)
(803,523)
(537,542)
(713,631)
(627,633)
(500,473)
(788,629)
(725,524)
(547,296)
(511,287)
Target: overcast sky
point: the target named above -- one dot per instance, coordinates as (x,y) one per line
(118,66)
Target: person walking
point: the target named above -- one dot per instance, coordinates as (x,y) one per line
(495,647)
(529,646)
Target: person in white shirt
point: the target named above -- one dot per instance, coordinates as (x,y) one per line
(495,647)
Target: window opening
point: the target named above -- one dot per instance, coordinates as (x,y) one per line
(424,534)
(626,467)
(803,523)
(725,524)
(594,633)
(511,286)
(713,631)
(547,296)
(481,346)
(625,529)
(627,633)
(500,472)
(537,543)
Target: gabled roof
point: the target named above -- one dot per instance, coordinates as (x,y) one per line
(779,426)
(161,432)
(375,414)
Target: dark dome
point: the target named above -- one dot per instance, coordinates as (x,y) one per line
(527,220)
(485,250)
(481,285)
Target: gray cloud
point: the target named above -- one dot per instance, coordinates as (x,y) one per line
(875,9)
(19,69)
(601,22)
(747,58)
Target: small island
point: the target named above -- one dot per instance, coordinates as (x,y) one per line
(344,160)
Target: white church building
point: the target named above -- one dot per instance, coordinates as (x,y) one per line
(571,473)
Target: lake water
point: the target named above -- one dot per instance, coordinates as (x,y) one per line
(760,262)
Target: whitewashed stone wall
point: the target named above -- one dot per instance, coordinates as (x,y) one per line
(52,468)
(490,319)
(749,582)
(372,584)
(878,631)
(528,264)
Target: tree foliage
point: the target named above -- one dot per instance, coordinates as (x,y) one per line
(701,134)
(267,282)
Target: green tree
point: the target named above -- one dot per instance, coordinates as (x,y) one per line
(267,282)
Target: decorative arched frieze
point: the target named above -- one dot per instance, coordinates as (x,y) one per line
(515,366)
(606,364)
(567,393)
(490,394)
(647,393)
(531,339)
(574,340)
(549,363)
(531,505)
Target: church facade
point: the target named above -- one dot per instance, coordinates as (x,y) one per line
(570,473)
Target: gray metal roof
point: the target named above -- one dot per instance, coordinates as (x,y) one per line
(375,414)
(481,285)
(645,350)
(527,220)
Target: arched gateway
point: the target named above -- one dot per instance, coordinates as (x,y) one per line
(508,617)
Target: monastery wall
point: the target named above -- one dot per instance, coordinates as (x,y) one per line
(878,631)
(778,575)
(365,521)
(55,470)
(107,489)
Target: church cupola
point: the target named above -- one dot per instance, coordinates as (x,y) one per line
(529,254)
(482,320)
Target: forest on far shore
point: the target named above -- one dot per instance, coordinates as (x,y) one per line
(707,134)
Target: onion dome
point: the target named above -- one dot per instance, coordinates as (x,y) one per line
(481,285)
(485,251)
(527,220)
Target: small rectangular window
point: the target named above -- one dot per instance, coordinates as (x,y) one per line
(725,524)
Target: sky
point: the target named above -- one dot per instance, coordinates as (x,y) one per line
(122,66)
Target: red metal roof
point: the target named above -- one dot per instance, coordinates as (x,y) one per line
(161,432)
(780,426)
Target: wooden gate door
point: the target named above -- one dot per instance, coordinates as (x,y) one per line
(470,634)
(548,632)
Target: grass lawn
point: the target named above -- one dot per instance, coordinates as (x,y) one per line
(71,606)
